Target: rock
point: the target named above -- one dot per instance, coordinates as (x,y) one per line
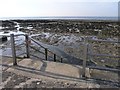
(3,38)
(67,84)
(102,61)
(38,83)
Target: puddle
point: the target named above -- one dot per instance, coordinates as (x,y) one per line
(5,47)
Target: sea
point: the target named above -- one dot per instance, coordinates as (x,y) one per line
(60,17)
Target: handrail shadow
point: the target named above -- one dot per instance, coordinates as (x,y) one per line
(46,73)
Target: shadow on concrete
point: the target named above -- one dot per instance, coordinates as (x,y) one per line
(64,77)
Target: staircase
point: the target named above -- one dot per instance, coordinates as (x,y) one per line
(44,53)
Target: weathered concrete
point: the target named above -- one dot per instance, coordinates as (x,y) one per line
(52,73)
(47,70)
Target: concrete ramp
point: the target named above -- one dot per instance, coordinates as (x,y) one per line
(55,72)
(36,68)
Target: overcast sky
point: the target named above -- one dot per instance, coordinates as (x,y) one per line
(33,8)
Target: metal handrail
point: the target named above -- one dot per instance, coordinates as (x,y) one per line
(91,54)
(86,52)
(46,49)
(99,40)
(36,42)
(104,55)
(14,35)
(36,50)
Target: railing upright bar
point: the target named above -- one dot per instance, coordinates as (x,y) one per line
(27,46)
(90,50)
(84,60)
(46,52)
(61,60)
(54,57)
(85,57)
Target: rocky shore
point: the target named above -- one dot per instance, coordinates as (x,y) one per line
(12,80)
(66,35)
(86,27)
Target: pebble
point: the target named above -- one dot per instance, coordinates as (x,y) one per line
(38,83)
(67,84)
(102,61)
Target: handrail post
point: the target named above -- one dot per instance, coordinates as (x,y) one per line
(27,46)
(85,59)
(13,49)
(90,51)
(45,53)
(54,57)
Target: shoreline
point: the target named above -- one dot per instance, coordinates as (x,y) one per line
(86,19)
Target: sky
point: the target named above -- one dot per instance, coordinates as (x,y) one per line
(43,8)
